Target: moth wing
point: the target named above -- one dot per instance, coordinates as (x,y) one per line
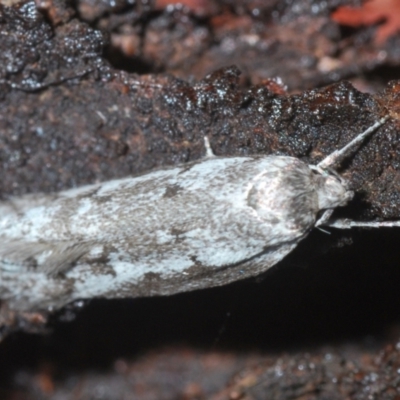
(49,257)
(16,205)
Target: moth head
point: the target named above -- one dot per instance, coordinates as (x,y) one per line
(332,189)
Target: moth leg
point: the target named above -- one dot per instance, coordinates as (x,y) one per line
(348,224)
(209,152)
(323,219)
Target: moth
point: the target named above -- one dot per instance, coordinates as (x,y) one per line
(198,225)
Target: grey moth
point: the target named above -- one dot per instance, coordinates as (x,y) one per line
(187,227)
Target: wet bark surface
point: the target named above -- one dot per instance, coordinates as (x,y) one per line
(95,90)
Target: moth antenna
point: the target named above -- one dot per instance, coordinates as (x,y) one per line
(209,152)
(339,155)
(348,224)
